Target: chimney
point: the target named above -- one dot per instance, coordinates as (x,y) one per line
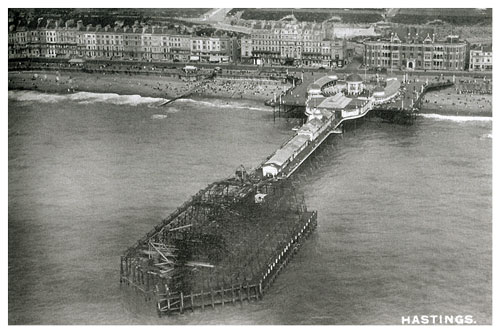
(79,24)
(433,37)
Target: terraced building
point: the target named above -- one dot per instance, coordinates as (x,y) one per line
(416,52)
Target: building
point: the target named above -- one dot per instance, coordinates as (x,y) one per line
(416,52)
(213,49)
(481,58)
(55,39)
(247,50)
(281,43)
(355,84)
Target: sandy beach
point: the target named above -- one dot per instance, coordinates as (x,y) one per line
(147,86)
(450,102)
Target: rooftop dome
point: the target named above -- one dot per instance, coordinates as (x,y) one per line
(354,78)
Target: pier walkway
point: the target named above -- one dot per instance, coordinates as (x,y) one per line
(401,107)
(332,126)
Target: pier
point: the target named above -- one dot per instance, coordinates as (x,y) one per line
(226,244)
(404,109)
(229,242)
(329,108)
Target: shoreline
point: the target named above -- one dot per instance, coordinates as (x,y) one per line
(450,102)
(446,101)
(145,86)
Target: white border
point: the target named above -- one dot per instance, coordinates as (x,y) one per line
(247,4)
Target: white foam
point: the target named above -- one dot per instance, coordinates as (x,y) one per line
(159,116)
(226,104)
(112,98)
(458,119)
(487,136)
(85,98)
(34,96)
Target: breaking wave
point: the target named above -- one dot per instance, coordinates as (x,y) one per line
(225,104)
(85,98)
(458,119)
(159,116)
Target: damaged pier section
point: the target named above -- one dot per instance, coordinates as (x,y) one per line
(226,244)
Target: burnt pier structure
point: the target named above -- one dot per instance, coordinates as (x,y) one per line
(226,244)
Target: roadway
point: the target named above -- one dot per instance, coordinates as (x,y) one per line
(268,68)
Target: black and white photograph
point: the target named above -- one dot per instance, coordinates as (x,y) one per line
(284,165)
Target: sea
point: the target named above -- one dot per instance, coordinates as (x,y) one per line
(404,212)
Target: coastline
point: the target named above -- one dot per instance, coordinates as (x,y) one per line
(143,85)
(446,101)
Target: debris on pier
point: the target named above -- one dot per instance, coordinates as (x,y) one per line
(229,239)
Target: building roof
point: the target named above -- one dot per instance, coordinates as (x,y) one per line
(316,100)
(325,79)
(355,103)
(354,78)
(487,48)
(313,86)
(337,101)
(284,153)
(311,126)
(379,89)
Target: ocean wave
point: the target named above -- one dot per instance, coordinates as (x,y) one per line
(458,119)
(226,104)
(85,98)
(34,96)
(134,100)
(159,116)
